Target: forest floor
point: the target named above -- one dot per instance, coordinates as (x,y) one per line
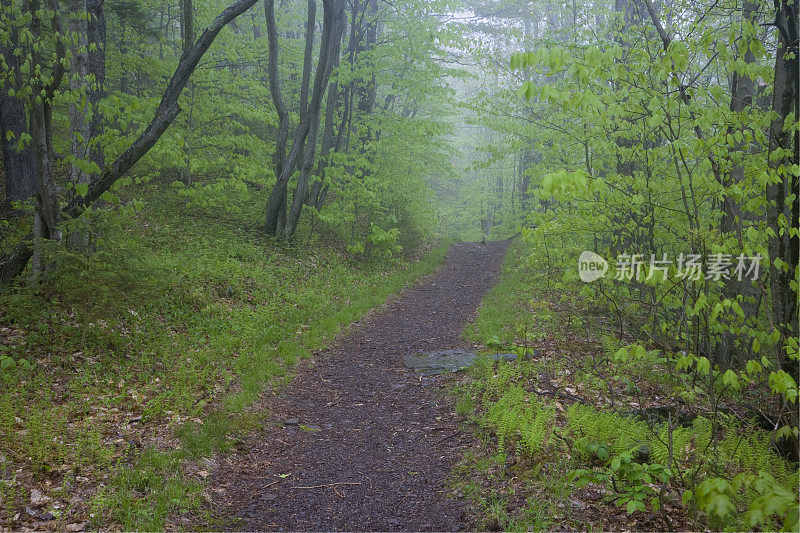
(133,367)
(358,441)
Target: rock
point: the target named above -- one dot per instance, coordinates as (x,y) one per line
(291,422)
(37,514)
(269,497)
(77,526)
(394,522)
(38,499)
(577,503)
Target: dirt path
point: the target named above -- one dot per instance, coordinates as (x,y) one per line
(367,443)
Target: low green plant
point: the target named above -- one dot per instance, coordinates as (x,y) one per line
(142,495)
(769,505)
(632,484)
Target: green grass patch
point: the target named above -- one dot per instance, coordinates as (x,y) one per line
(150,350)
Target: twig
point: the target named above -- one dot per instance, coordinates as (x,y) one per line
(329,485)
(450,436)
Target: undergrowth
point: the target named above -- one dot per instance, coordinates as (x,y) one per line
(568,445)
(149,351)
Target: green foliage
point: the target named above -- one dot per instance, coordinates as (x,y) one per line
(644,462)
(519,415)
(634,483)
(142,495)
(172,318)
(768,503)
(620,434)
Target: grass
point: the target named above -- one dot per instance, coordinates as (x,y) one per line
(149,352)
(547,461)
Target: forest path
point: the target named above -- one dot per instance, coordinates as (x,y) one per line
(362,442)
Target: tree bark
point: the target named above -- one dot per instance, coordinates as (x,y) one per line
(783,150)
(79,111)
(309,52)
(187,26)
(18,165)
(742,88)
(301,192)
(96,66)
(316,196)
(274,204)
(80,135)
(46,215)
(307,58)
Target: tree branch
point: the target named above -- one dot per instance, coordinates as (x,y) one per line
(13,264)
(166,112)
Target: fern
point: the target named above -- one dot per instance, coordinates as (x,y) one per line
(620,434)
(518,415)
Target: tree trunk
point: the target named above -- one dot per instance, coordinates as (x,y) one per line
(742,88)
(277,198)
(96,66)
(783,152)
(79,122)
(366,100)
(187,26)
(79,111)
(783,147)
(46,215)
(307,58)
(187,40)
(331,26)
(309,52)
(301,192)
(18,165)
(315,196)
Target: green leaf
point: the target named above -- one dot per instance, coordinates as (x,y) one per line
(7,363)
(731,379)
(621,354)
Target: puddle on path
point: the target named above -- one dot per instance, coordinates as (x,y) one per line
(441,361)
